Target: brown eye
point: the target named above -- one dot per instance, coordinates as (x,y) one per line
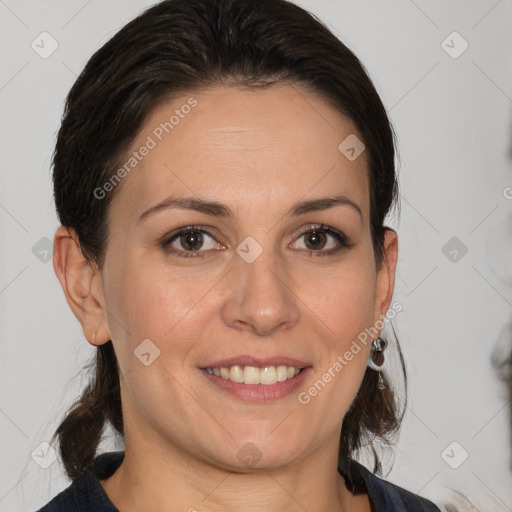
(185,241)
(193,240)
(315,240)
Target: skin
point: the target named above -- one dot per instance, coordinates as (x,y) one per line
(259,152)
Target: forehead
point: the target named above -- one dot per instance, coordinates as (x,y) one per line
(245,148)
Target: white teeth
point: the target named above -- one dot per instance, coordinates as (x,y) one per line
(251,375)
(267,375)
(282,373)
(236,374)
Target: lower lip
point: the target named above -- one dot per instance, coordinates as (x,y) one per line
(259,392)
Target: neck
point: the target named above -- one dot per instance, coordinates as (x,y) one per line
(180,482)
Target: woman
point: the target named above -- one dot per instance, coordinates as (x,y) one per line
(222,175)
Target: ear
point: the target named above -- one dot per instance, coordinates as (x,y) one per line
(81,284)
(386,275)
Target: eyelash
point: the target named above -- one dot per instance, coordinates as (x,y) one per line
(342,240)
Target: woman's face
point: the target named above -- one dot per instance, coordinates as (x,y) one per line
(242,285)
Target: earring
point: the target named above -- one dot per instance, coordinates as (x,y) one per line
(378,345)
(94,338)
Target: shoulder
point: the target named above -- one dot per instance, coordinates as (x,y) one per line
(384,496)
(77,496)
(85,493)
(65,501)
(392,497)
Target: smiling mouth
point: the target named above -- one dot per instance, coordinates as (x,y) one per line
(267,375)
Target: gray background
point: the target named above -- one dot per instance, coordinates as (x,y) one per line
(453,121)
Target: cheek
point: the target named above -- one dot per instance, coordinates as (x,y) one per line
(146,302)
(344,303)
(347,309)
(343,298)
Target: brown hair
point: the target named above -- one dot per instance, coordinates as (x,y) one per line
(174,47)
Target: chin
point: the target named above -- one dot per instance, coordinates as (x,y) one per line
(251,453)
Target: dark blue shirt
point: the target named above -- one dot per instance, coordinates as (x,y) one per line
(85,493)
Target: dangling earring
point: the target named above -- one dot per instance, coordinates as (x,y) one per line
(378,345)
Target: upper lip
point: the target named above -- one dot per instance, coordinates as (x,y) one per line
(258,362)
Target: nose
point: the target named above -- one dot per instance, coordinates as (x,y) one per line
(260,296)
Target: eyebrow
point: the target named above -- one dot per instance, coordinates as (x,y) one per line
(222,210)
